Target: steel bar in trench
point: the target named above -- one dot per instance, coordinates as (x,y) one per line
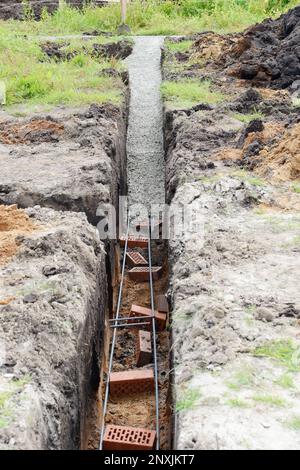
(129,325)
(154,339)
(114,338)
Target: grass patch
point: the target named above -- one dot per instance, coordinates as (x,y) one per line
(284,352)
(242,379)
(294,423)
(188,93)
(246,118)
(182,46)
(238,403)
(270,400)
(33,78)
(242,174)
(296,188)
(6,406)
(285,381)
(155,17)
(188,400)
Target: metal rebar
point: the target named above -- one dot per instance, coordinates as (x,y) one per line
(113,340)
(154,338)
(132,318)
(129,325)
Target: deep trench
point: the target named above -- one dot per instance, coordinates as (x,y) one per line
(145,185)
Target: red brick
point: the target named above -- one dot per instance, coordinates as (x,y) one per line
(160,318)
(143,348)
(134,258)
(162,304)
(128,438)
(134,242)
(141,274)
(132,381)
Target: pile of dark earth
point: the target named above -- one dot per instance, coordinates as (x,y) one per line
(268,54)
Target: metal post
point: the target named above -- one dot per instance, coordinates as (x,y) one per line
(123,10)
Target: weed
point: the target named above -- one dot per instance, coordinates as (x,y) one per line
(269,400)
(246,118)
(187,93)
(238,403)
(294,423)
(283,351)
(188,400)
(296,188)
(245,176)
(182,46)
(242,379)
(285,381)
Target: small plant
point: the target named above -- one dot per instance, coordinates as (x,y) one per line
(296,188)
(246,118)
(28,12)
(269,400)
(285,381)
(245,176)
(294,423)
(188,93)
(182,46)
(242,379)
(188,400)
(238,403)
(283,351)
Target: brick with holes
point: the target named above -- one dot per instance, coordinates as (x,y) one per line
(128,438)
(131,382)
(134,258)
(143,348)
(133,242)
(160,318)
(141,274)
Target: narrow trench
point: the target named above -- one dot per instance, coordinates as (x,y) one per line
(146,186)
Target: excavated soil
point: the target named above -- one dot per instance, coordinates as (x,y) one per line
(266,54)
(37,130)
(14,223)
(234,281)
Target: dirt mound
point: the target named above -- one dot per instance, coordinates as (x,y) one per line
(14,222)
(37,130)
(268,54)
(118,50)
(281,162)
(210,46)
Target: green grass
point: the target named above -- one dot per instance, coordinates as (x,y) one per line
(238,403)
(246,118)
(270,400)
(188,400)
(156,17)
(294,423)
(296,188)
(33,78)
(285,381)
(188,93)
(243,378)
(245,176)
(285,352)
(6,407)
(182,46)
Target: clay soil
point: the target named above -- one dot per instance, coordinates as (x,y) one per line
(14,223)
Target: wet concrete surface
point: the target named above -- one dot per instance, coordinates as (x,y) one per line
(145,143)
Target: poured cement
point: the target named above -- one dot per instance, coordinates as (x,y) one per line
(145,143)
